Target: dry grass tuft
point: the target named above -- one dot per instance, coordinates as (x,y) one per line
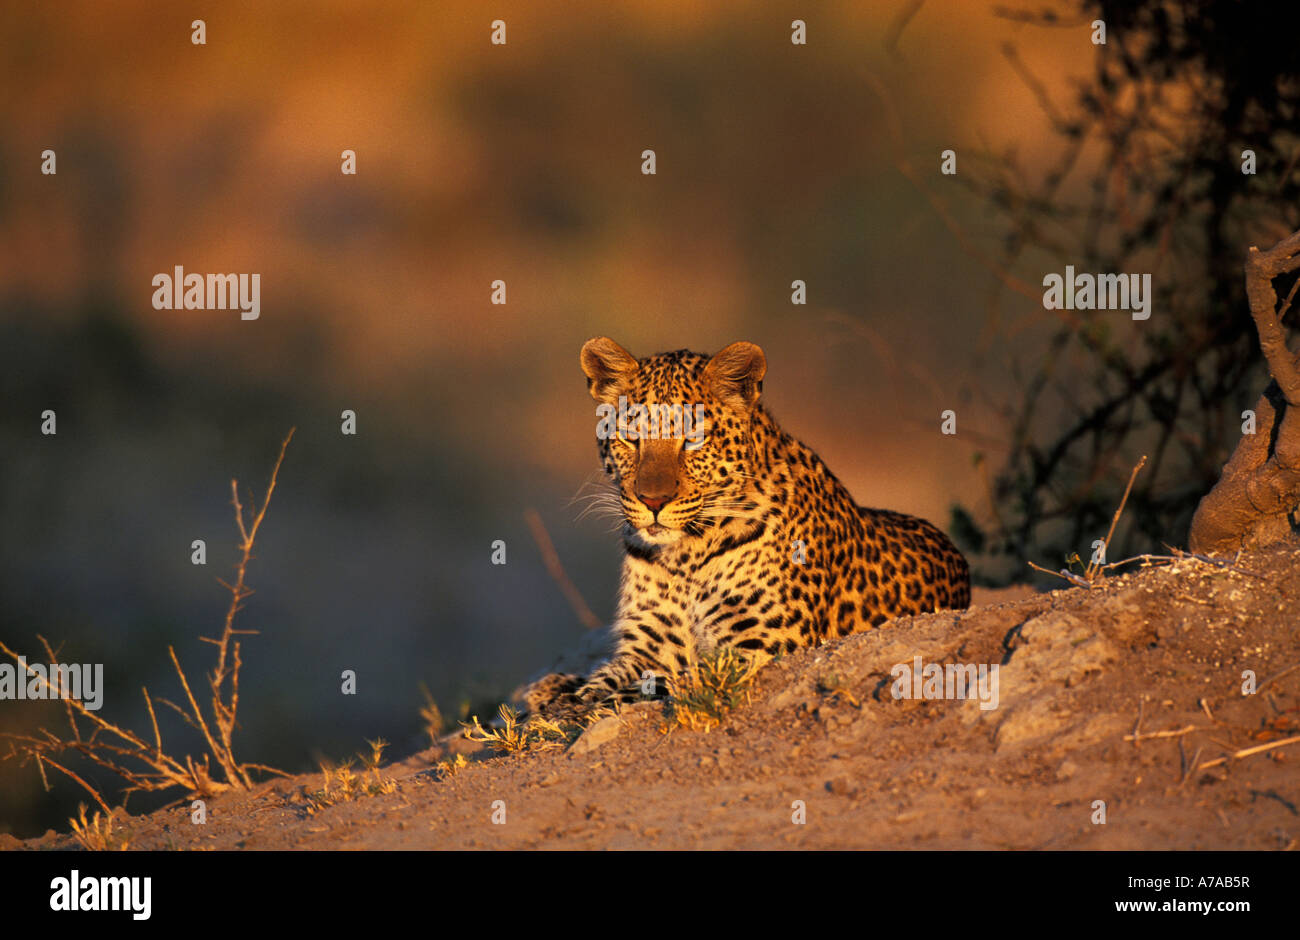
(434,723)
(536,733)
(343,784)
(96,833)
(450,766)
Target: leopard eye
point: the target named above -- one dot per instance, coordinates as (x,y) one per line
(695,443)
(627,437)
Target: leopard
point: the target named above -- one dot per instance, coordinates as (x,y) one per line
(734,533)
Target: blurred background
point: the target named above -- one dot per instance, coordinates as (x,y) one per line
(522,163)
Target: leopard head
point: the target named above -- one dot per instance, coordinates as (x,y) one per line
(675,435)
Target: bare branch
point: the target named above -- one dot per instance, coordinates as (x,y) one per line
(551,558)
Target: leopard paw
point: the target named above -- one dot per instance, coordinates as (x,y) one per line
(540,695)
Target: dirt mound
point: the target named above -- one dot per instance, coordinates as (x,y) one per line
(1126,699)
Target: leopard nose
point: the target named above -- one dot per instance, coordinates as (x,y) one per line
(654,503)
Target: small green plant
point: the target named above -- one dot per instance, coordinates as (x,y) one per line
(536,733)
(706,692)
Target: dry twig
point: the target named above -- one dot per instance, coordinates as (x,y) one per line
(1094,566)
(551,558)
(1249,751)
(1137,736)
(142,765)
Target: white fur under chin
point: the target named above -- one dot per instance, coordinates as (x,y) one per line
(645,539)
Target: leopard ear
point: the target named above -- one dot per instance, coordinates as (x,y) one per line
(735,375)
(608,367)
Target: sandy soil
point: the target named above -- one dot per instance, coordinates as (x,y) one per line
(1158,650)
